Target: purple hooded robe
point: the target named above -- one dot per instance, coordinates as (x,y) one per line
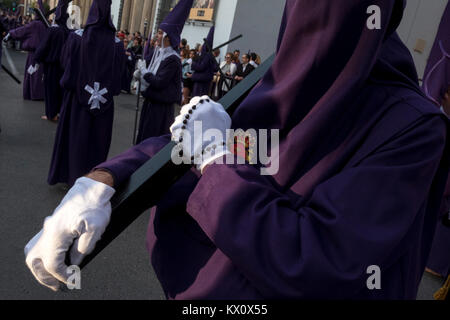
(30,36)
(93,61)
(128,70)
(164,90)
(204,68)
(361,164)
(49,53)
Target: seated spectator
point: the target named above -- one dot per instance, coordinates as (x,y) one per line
(130,41)
(137,47)
(216,54)
(253,58)
(244,69)
(229,70)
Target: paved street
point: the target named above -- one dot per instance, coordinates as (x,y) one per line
(26,143)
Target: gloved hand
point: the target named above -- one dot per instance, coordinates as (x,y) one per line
(6,38)
(80,219)
(137,75)
(196,149)
(140,73)
(142,66)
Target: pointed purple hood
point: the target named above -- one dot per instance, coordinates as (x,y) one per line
(174,22)
(318,75)
(209,40)
(61,14)
(100,14)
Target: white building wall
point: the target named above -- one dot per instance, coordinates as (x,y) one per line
(224,23)
(421,21)
(257,20)
(195,31)
(115,8)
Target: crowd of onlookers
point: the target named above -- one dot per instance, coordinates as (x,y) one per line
(10,21)
(133,41)
(13,21)
(232,70)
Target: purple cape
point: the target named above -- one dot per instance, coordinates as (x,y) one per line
(360,179)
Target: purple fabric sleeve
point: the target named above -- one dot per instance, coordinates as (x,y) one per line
(30,35)
(21,32)
(125,164)
(365,215)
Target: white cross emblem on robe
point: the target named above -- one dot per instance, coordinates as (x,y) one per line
(96,95)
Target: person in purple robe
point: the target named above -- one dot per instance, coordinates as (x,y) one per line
(162,80)
(128,70)
(93,60)
(30,37)
(437,87)
(48,54)
(362,157)
(204,68)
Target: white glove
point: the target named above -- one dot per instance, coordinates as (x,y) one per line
(201,149)
(6,38)
(141,64)
(79,221)
(140,73)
